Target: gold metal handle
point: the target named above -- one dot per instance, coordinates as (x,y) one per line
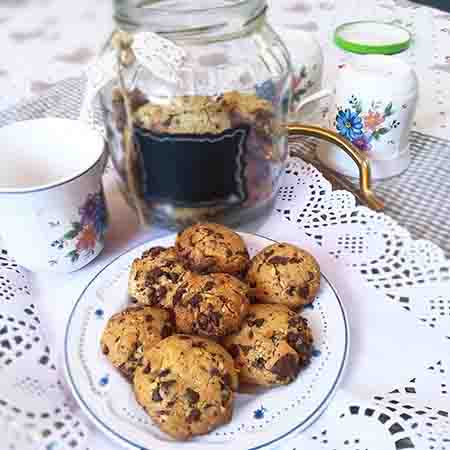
(357,156)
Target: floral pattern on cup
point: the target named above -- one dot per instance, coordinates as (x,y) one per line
(362,126)
(301,84)
(86,232)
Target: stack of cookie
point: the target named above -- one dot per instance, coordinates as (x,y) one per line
(209,317)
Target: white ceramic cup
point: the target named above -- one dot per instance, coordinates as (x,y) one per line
(53,210)
(373,105)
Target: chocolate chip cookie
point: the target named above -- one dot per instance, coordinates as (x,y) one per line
(186,385)
(187,114)
(284,274)
(130,332)
(155,277)
(272,346)
(210,247)
(210,305)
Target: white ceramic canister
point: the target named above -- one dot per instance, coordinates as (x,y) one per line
(373,106)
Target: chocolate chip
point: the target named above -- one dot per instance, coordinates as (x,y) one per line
(203,321)
(166,331)
(295,341)
(156,396)
(286,367)
(174,277)
(283,260)
(207,231)
(304,349)
(214,372)
(205,266)
(164,373)
(165,385)
(269,253)
(215,317)
(295,321)
(178,295)
(161,292)
(208,286)
(250,334)
(258,323)
(155,251)
(127,372)
(153,275)
(192,396)
(233,350)
(229,253)
(194,416)
(199,344)
(195,300)
(105,349)
(148,318)
(252,284)
(161,412)
(303,291)
(259,363)
(147,369)
(291,290)
(245,349)
(227,380)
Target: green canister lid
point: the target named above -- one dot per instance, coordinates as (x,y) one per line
(368,37)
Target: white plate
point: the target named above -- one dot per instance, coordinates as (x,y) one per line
(259,420)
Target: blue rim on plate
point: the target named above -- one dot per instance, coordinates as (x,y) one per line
(120,439)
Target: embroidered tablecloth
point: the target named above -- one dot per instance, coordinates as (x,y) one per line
(396,289)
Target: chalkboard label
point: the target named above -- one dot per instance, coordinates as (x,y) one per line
(194,170)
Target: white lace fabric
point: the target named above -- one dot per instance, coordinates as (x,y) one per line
(397,292)
(395,394)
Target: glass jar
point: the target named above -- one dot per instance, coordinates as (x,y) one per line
(213,145)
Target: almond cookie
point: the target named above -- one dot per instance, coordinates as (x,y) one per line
(210,247)
(285,274)
(186,386)
(210,305)
(273,345)
(130,332)
(155,277)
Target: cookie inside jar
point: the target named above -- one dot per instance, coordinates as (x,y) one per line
(198,157)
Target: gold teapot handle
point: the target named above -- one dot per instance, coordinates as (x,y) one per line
(360,159)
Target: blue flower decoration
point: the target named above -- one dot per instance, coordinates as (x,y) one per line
(310,306)
(259,413)
(99,313)
(349,124)
(51,446)
(315,353)
(104,381)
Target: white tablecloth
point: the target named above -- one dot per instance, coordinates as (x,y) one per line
(396,290)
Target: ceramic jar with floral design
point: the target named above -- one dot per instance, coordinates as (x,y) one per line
(373,107)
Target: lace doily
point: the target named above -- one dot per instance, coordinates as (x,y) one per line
(35,413)
(412,274)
